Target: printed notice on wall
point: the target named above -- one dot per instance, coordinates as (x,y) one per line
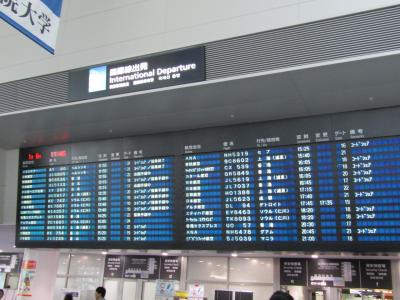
(293,271)
(25,280)
(376,274)
(333,273)
(142,267)
(170,268)
(10,262)
(114,266)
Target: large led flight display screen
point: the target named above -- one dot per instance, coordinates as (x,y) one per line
(314,189)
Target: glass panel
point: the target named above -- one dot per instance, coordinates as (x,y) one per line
(298,292)
(209,289)
(207,268)
(12,281)
(112,286)
(252,270)
(2,279)
(86,286)
(259,292)
(149,290)
(88,265)
(63,264)
(129,292)
(60,284)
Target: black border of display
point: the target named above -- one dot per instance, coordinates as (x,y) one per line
(222,246)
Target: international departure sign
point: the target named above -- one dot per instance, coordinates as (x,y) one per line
(37,19)
(140,74)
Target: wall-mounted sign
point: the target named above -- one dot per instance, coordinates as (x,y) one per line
(181,67)
(196,291)
(293,271)
(37,19)
(10,262)
(114,266)
(142,267)
(170,268)
(25,280)
(165,289)
(349,273)
(376,274)
(334,273)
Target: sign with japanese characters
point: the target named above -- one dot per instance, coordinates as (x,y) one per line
(37,19)
(114,266)
(334,273)
(376,274)
(10,262)
(170,268)
(159,71)
(293,271)
(143,267)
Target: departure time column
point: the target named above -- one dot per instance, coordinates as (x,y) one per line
(115,201)
(327,192)
(308,219)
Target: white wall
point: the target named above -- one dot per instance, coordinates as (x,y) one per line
(7,238)
(8,186)
(97,31)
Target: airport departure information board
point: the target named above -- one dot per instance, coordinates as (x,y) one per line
(342,195)
(109,201)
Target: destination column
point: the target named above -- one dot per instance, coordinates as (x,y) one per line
(276,182)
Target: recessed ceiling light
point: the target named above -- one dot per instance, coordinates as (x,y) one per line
(164,253)
(234,254)
(314,256)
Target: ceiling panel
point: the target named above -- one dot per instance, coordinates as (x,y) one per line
(313,91)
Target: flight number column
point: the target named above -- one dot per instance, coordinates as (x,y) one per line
(57,204)
(153,200)
(203,198)
(83,203)
(33,205)
(308,211)
(239,198)
(276,169)
(376,184)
